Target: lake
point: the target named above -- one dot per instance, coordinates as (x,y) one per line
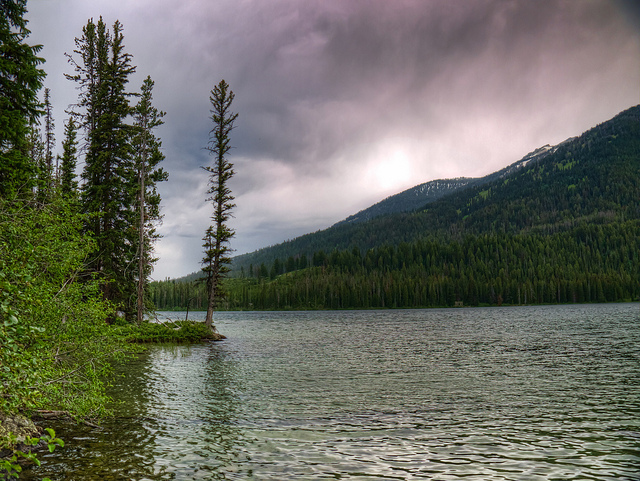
(513,393)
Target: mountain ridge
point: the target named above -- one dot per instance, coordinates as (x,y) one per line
(587,177)
(409,199)
(427,192)
(527,188)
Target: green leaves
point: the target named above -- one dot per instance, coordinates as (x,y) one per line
(178,332)
(11,467)
(55,345)
(10,320)
(51,440)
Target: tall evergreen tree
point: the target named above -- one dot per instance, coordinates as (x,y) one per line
(49,140)
(68,161)
(147,157)
(41,146)
(218,235)
(36,155)
(20,81)
(110,181)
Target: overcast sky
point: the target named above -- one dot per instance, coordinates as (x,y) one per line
(342,103)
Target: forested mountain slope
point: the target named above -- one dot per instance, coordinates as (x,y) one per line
(561,225)
(423,194)
(410,199)
(593,176)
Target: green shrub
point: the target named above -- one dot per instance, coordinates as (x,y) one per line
(178,332)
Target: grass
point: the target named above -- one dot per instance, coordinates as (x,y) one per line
(181,332)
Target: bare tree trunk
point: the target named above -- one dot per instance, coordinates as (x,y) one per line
(208,321)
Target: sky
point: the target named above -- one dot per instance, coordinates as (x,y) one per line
(342,103)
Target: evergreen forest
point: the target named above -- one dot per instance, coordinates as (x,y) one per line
(75,253)
(562,228)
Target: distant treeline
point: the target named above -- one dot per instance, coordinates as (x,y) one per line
(588,263)
(564,228)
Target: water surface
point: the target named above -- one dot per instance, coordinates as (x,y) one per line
(517,393)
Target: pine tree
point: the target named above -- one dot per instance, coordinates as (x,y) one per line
(36,155)
(20,81)
(147,157)
(110,181)
(218,235)
(41,148)
(49,142)
(68,161)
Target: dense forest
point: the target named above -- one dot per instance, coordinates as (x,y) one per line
(411,199)
(593,262)
(75,254)
(561,228)
(55,346)
(596,173)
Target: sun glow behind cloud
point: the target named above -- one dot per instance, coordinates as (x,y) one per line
(390,168)
(344,103)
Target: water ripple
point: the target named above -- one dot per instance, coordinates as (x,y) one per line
(540,393)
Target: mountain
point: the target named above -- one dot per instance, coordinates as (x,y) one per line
(560,225)
(532,157)
(592,176)
(423,194)
(410,199)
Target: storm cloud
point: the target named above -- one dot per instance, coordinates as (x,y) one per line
(344,102)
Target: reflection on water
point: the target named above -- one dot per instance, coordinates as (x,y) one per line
(535,393)
(176,420)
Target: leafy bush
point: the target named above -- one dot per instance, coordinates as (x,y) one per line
(11,467)
(178,332)
(56,349)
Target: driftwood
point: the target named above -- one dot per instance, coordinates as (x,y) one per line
(45,414)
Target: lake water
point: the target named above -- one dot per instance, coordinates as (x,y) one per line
(516,393)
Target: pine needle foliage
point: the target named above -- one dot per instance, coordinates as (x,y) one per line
(20,80)
(217,236)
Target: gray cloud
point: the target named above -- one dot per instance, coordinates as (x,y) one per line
(342,103)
